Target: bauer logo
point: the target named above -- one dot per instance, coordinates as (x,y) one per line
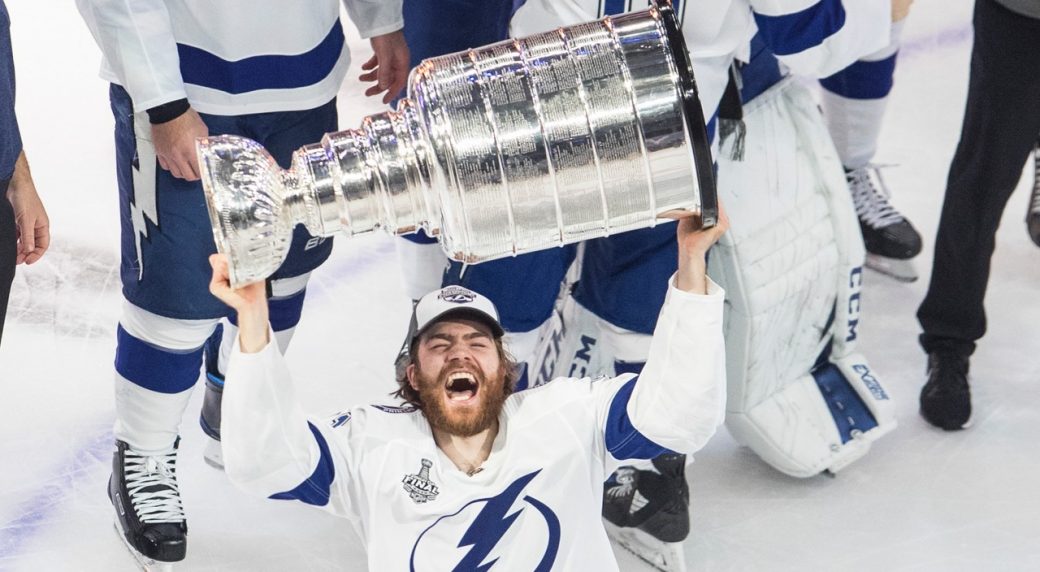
(870,381)
(509,531)
(457,295)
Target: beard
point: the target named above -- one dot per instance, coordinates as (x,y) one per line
(491,393)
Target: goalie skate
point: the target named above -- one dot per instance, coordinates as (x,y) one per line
(664,556)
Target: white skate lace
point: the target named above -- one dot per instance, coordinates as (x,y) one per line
(872,206)
(152,486)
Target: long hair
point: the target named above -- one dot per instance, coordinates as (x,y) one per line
(407,393)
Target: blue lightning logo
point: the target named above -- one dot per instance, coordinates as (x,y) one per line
(490,526)
(487,529)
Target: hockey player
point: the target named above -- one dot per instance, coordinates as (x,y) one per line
(468,475)
(854,102)
(1000,126)
(618,290)
(181,69)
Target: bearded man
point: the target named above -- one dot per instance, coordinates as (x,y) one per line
(466,474)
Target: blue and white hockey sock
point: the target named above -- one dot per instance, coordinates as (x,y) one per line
(157,364)
(854,102)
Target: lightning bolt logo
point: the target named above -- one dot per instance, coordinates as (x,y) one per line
(487,529)
(143,204)
(490,526)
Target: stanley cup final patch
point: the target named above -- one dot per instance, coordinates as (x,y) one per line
(419,486)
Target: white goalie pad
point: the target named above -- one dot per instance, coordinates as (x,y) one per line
(792,267)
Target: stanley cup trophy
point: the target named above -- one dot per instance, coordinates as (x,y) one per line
(522,145)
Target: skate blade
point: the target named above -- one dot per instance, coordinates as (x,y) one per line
(145,563)
(663,556)
(901,270)
(213,454)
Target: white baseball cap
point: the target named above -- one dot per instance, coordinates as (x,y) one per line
(452,301)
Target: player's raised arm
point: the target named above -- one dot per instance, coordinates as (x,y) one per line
(270,447)
(679,398)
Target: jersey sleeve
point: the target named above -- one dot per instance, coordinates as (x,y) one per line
(375,17)
(820,37)
(678,401)
(137,41)
(272,449)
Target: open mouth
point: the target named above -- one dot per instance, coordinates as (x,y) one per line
(461,386)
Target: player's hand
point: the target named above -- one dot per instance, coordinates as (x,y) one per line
(174,143)
(249,301)
(694,243)
(900,9)
(388,67)
(30,218)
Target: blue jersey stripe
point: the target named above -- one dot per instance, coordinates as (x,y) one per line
(154,368)
(797,32)
(847,407)
(863,80)
(317,488)
(624,441)
(205,69)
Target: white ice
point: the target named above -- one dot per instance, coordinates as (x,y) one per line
(922,499)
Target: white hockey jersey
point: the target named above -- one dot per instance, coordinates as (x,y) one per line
(231,57)
(536,503)
(813,37)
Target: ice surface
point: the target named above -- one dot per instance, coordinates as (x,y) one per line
(921,500)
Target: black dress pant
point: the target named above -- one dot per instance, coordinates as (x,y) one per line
(8,252)
(1001,125)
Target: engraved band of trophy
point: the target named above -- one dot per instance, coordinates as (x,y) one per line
(522,145)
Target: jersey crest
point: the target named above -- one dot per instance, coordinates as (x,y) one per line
(479,535)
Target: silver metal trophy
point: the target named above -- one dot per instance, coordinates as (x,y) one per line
(522,145)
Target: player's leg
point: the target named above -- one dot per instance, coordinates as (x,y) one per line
(8,252)
(1001,122)
(169,313)
(281,133)
(623,283)
(854,102)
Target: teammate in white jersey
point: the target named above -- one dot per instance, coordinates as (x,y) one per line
(467,474)
(180,69)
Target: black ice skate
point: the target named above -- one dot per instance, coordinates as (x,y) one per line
(209,418)
(1033,214)
(891,241)
(149,516)
(647,511)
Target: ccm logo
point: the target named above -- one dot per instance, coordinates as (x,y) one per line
(855,284)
